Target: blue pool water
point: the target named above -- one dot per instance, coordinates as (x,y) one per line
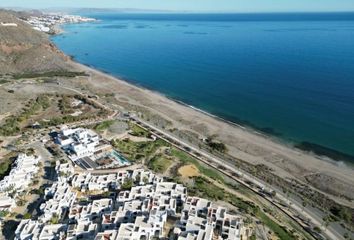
(291,75)
(122,161)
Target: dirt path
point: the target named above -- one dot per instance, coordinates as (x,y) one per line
(242,143)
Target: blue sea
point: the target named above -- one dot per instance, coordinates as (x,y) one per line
(288,75)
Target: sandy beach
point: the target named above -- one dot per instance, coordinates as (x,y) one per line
(285,161)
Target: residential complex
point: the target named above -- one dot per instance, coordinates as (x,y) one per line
(128,204)
(25,167)
(201,219)
(110,203)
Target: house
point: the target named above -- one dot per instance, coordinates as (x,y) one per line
(53,232)
(61,199)
(82,230)
(79,142)
(200,219)
(6,203)
(140,229)
(20,176)
(28,229)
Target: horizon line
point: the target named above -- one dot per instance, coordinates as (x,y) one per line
(137,10)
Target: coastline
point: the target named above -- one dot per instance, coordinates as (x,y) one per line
(57,29)
(294,128)
(310,147)
(276,173)
(249,131)
(303,147)
(243,142)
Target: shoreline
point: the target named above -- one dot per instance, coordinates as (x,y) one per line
(331,177)
(249,129)
(57,29)
(306,146)
(287,143)
(326,153)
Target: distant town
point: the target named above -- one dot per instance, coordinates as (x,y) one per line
(48,22)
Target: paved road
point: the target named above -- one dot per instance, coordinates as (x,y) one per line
(231,171)
(46,157)
(109,171)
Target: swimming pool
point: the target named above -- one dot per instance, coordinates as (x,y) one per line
(119,158)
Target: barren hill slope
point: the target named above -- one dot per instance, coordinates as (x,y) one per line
(23,49)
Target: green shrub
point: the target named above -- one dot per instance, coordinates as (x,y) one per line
(104,125)
(27,216)
(187,159)
(49,74)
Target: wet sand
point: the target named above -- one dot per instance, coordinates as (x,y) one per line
(243,143)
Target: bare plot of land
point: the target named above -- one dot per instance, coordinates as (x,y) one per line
(188,171)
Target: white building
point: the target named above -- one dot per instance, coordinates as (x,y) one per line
(6,203)
(64,170)
(28,229)
(53,232)
(139,213)
(140,229)
(79,142)
(91,211)
(62,198)
(21,175)
(82,230)
(200,220)
(99,182)
(142,212)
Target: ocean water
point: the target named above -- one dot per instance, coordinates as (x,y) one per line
(289,75)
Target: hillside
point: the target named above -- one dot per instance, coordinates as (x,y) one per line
(24,50)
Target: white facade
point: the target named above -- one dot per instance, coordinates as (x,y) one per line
(92,210)
(28,229)
(135,214)
(21,175)
(140,229)
(54,231)
(82,230)
(7,203)
(200,220)
(62,199)
(81,142)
